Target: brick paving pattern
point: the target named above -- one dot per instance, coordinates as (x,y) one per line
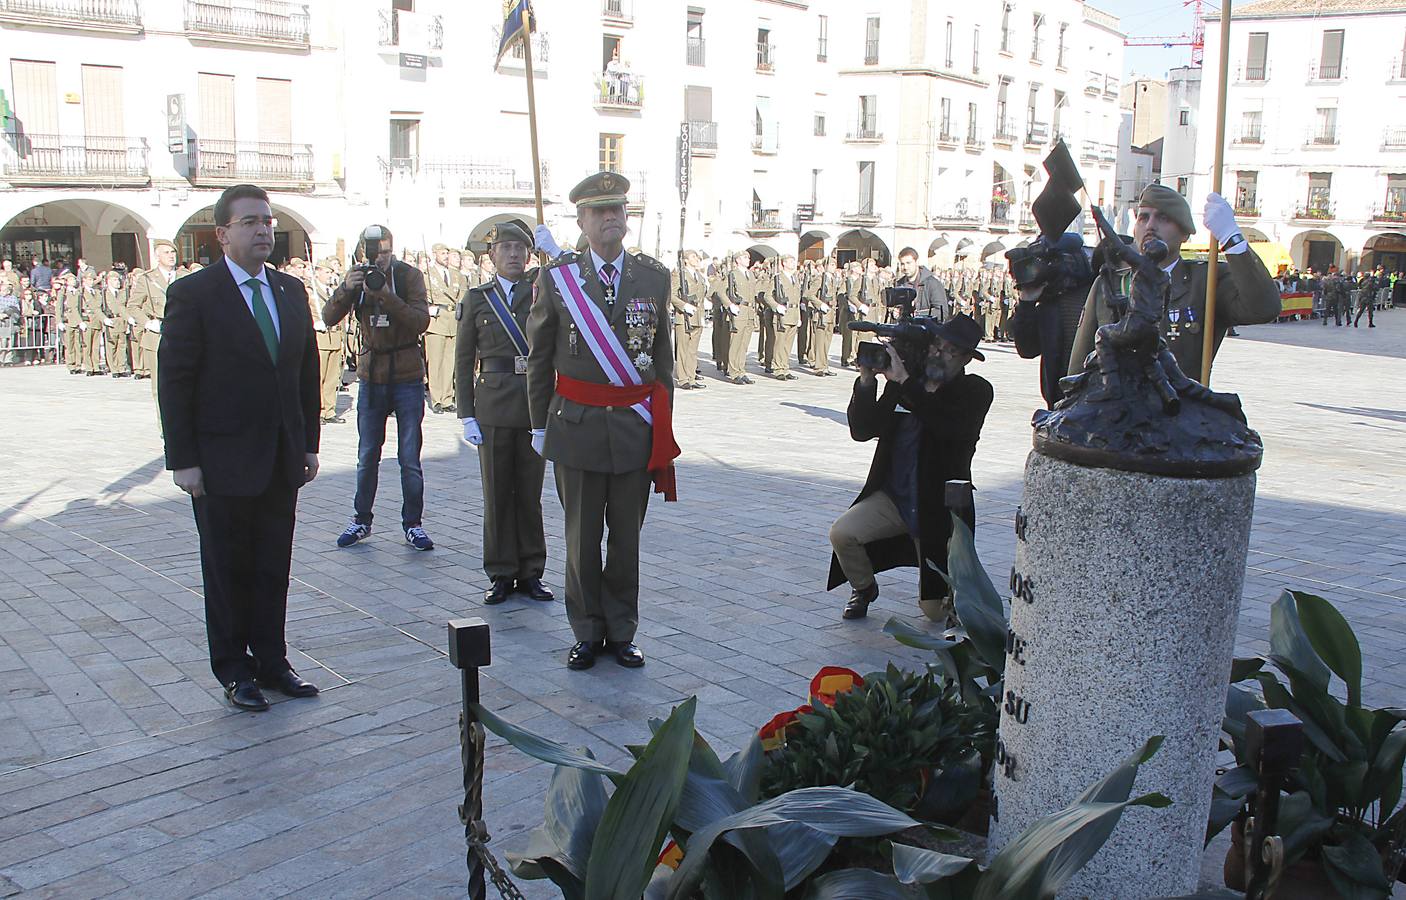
(123,772)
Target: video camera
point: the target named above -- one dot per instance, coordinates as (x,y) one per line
(910,341)
(904,295)
(374,240)
(1060,264)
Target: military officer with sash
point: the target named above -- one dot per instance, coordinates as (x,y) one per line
(491,378)
(331,339)
(600,386)
(445,286)
(688,294)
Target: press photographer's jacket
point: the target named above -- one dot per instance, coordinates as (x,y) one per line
(390,347)
(951,419)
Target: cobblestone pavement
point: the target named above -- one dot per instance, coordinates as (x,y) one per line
(123,771)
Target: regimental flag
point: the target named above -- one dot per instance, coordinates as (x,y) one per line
(1057,206)
(518,22)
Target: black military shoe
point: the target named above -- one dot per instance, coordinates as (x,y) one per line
(290,684)
(582,655)
(534,588)
(626,653)
(246,695)
(502,588)
(858,605)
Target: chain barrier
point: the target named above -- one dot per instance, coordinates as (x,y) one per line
(480,859)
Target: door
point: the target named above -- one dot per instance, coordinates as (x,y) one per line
(1321,255)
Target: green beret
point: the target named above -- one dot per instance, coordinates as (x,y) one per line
(601,189)
(510,231)
(1170,204)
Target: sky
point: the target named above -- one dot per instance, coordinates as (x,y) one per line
(1149,18)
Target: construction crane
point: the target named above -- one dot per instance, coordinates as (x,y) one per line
(1196,40)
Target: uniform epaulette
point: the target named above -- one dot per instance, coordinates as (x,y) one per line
(568,256)
(651,262)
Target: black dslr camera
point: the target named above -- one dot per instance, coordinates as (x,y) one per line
(374,240)
(909,339)
(1060,264)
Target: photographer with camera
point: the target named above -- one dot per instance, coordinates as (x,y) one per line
(388,299)
(930,300)
(928,420)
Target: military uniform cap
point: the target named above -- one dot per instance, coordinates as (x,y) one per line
(438,247)
(296,261)
(327,262)
(510,231)
(162,242)
(1169,203)
(601,189)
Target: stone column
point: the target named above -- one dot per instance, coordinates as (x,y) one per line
(1125,595)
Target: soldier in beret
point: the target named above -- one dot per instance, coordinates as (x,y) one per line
(1245,293)
(491,377)
(600,387)
(688,294)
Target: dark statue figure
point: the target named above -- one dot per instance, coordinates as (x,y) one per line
(1133,408)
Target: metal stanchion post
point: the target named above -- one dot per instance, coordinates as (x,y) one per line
(469,650)
(1274,741)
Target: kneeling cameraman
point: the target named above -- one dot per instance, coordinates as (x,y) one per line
(927,424)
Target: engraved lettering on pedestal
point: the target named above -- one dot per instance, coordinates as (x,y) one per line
(1022,586)
(1021,523)
(1017,707)
(1015,647)
(1005,760)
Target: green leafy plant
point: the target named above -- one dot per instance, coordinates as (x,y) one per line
(1341,806)
(888,738)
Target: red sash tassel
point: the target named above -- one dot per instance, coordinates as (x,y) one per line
(663,448)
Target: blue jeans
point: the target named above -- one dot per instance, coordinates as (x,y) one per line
(374,403)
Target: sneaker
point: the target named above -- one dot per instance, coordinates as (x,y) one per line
(353,533)
(417,538)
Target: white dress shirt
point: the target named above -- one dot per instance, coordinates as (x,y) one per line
(241,276)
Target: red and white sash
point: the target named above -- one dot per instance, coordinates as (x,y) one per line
(600,338)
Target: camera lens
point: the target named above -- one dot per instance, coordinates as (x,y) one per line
(375,279)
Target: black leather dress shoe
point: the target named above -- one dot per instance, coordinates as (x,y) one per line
(290,684)
(582,655)
(858,605)
(626,653)
(246,695)
(534,588)
(501,590)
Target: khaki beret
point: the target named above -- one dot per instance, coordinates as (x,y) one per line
(601,189)
(510,231)
(330,263)
(296,261)
(1170,204)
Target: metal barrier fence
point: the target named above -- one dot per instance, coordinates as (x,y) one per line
(29,339)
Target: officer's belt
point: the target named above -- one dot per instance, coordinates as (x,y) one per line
(502,364)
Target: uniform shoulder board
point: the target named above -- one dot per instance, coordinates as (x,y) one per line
(568,256)
(651,262)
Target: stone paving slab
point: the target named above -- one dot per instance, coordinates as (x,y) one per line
(124,773)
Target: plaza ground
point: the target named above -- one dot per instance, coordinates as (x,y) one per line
(124,772)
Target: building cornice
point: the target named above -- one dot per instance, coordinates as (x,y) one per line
(927,71)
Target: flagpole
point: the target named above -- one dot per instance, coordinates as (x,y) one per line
(528,26)
(1208,339)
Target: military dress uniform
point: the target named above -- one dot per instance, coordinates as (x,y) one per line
(114,308)
(822,322)
(70,310)
(601,454)
(784,303)
(688,295)
(739,293)
(722,319)
(445,287)
(810,284)
(147,304)
(491,375)
(331,344)
(90,300)
(762,286)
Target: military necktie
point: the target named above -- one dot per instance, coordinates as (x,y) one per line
(264,319)
(607,280)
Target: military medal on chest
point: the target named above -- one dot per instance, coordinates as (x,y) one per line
(639,332)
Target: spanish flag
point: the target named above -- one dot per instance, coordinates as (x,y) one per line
(518,22)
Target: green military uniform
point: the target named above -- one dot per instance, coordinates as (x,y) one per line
(445,287)
(739,299)
(147,304)
(810,283)
(762,286)
(331,343)
(822,321)
(492,389)
(90,300)
(722,319)
(855,310)
(134,331)
(599,453)
(784,303)
(114,310)
(872,295)
(70,312)
(688,302)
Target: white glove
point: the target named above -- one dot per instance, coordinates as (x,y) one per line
(319,325)
(542,235)
(108,322)
(153,325)
(434,311)
(690,309)
(473,435)
(82,326)
(735,308)
(62,327)
(1220,222)
(131,320)
(539,440)
(864,310)
(824,307)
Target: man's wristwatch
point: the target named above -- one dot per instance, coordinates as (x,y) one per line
(1234,240)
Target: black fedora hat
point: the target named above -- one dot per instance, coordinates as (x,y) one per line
(961,331)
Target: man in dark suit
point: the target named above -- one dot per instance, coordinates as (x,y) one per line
(239,406)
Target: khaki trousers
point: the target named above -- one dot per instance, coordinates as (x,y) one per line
(871,519)
(781,348)
(820,338)
(330,376)
(737,349)
(685,354)
(91,343)
(722,338)
(117,351)
(439,360)
(602,603)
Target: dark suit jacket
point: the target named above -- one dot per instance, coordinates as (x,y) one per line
(225,405)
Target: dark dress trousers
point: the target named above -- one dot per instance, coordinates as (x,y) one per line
(247,421)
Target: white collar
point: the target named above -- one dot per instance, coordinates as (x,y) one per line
(618,262)
(241,276)
(1170,266)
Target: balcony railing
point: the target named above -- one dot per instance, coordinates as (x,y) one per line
(945,135)
(768,222)
(1027,218)
(696,54)
(1248,208)
(1093,150)
(860,217)
(1005,130)
(865,131)
(1390,212)
(1093,82)
(1249,136)
(1319,72)
(541,47)
(974,139)
(619,10)
(1321,137)
(1036,133)
(55,159)
(959,213)
(760,144)
(249,20)
(124,15)
(464,177)
(1394,137)
(1037,49)
(264,164)
(1110,86)
(703,136)
(1256,72)
(395,30)
(1315,210)
(620,90)
(1001,212)
(766,57)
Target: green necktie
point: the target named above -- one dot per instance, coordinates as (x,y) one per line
(263,319)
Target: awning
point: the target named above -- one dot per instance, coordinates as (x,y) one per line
(937,245)
(992,249)
(964,246)
(1273,254)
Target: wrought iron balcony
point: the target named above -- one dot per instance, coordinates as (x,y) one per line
(1036,133)
(955,215)
(696,51)
(116,15)
(1393,211)
(617,10)
(1318,72)
(1249,208)
(865,131)
(766,54)
(462,176)
(541,47)
(862,217)
(766,222)
(51,159)
(1005,130)
(974,139)
(1027,218)
(1315,210)
(703,136)
(1000,213)
(1394,137)
(761,145)
(620,90)
(422,32)
(248,20)
(1321,137)
(1253,135)
(264,164)
(1093,83)
(1252,72)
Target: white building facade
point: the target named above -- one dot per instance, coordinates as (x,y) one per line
(1315,157)
(815,127)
